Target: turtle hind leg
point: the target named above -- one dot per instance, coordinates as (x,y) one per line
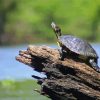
(94,65)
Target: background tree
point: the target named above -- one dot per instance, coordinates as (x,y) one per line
(24,21)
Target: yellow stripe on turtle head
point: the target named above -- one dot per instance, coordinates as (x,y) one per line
(59,44)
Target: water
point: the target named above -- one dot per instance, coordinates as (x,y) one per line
(12,69)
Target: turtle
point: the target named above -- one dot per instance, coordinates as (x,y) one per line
(73,45)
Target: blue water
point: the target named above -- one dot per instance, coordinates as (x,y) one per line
(12,69)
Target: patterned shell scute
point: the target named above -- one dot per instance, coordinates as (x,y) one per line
(78,46)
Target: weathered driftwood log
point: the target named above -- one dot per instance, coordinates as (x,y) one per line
(70,79)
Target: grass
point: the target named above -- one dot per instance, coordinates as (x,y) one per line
(20,90)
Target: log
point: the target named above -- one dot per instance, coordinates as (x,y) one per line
(70,79)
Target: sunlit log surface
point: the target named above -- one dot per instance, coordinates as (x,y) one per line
(71,79)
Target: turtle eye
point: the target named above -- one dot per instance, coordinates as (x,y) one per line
(58,30)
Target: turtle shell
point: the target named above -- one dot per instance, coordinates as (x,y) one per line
(77,46)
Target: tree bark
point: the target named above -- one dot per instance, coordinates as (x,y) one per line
(70,79)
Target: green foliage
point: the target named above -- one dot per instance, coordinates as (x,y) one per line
(29,20)
(8,84)
(22,90)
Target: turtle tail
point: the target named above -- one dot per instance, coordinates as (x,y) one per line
(94,65)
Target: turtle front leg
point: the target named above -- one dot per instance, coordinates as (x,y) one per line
(62,53)
(94,65)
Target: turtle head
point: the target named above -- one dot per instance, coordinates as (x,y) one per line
(56,29)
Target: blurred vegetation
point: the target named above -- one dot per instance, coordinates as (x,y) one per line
(20,90)
(28,21)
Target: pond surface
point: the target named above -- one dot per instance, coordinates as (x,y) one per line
(12,69)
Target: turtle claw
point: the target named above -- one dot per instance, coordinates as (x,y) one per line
(94,65)
(98,69)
